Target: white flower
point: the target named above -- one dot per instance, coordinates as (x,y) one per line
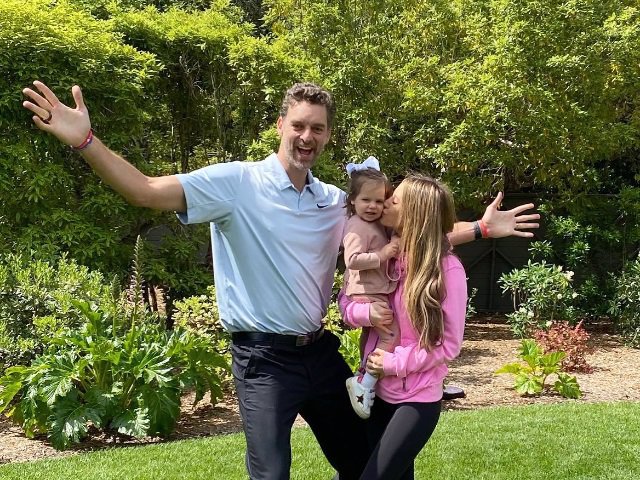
(559,296)
(574,295)
(530,314)
(568,274)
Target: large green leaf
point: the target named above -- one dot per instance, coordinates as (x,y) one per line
(70,421)
(31,413)
(10,385)
(101,403)
(132,422)
(59,379)
(163,407)
(552,359)
(529,347)
(567,386)
(512,368)
(528,384)
(150,364)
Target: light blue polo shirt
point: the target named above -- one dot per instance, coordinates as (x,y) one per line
(274,248)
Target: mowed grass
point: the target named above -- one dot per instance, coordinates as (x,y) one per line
(568,441)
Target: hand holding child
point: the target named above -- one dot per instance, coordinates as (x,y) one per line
(380,315)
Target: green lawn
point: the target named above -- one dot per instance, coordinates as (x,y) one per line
(568,441)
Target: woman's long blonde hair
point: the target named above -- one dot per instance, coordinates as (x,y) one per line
(426,216)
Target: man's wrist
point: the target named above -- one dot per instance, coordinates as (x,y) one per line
(87,141)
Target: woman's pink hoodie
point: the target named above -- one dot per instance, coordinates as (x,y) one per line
(413,374)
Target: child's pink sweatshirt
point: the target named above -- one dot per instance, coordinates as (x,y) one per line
(365,274)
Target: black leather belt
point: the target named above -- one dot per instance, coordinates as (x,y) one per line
(279,339)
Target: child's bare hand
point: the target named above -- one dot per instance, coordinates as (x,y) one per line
(375,363)
(390,250)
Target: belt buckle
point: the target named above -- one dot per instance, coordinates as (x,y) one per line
(302,340)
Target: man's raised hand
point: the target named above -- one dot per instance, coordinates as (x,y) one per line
(69,125)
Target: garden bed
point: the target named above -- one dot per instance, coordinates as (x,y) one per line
(488,345)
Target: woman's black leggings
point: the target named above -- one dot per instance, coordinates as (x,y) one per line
(397,433)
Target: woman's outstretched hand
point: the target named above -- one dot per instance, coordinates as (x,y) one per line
(503,223)
(69,125)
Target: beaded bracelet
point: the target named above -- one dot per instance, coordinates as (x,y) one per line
(86,143)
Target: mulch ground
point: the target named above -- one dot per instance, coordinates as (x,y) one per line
(488,345)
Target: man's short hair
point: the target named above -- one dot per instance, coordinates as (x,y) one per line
(310,93)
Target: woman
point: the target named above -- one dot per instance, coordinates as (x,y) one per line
(429,306)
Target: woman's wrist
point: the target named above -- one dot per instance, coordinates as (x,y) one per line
(480,230)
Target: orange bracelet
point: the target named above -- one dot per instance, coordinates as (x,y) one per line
(483,229)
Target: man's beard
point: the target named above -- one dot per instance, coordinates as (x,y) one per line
(300,164)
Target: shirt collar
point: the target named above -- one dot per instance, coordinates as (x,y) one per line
(282,181)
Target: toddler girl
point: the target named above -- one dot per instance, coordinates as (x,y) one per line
(367,251)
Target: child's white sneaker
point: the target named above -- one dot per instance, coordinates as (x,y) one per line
(361,397)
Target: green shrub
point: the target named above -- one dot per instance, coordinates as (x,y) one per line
(51,201)
(350,347)
(37,301)
(542,294)
(625,306)
(118,371)
(200,314)
(349,337)
(591,235)
(172,88)
(531,376)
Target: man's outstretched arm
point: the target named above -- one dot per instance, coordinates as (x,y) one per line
(497,223)
(72,126)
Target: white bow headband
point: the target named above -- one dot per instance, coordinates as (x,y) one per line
(371,162)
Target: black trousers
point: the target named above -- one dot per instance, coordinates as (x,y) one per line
(397,433)
(274,383)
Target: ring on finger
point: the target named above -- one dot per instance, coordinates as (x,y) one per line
(48,119)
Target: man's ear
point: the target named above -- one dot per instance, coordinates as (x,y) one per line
(279,126)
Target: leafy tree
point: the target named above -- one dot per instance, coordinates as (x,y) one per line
(487,94)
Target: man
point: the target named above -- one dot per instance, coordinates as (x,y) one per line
(276,231)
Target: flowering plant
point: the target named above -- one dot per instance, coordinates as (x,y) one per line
(542,294)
